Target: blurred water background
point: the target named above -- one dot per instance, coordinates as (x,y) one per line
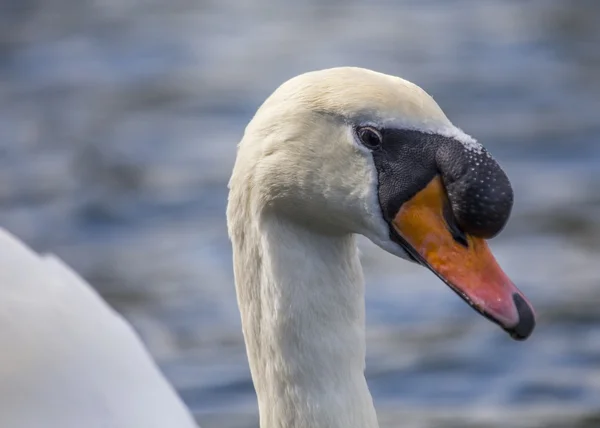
(118,126)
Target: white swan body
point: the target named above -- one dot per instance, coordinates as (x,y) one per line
(67,359)
(302,186)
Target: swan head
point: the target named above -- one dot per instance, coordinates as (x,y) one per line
(349,150)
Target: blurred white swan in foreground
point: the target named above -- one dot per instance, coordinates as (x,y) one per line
(330,154)
(67,360)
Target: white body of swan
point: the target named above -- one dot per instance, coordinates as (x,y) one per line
(67,360)
(332,154)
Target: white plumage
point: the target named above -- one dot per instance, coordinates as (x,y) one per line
(67,359)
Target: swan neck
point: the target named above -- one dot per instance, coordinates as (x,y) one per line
(301,298)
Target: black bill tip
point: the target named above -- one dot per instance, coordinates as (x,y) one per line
(526,323)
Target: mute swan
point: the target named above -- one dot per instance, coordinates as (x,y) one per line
(335,153)
(67,359)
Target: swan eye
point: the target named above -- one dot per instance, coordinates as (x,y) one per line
(370,137)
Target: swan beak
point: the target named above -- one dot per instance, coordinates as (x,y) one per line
(468,267)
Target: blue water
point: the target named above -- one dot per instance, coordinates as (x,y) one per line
(118,127)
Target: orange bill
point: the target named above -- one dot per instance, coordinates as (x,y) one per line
(466,264)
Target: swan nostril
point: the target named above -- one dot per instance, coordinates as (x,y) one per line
(457,234)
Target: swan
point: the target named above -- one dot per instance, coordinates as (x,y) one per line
(329,155)
(68,360)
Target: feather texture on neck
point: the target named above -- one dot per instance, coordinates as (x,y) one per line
(301,297)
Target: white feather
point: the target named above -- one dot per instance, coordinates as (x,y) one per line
(68,360)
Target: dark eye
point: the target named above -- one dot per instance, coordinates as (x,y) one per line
(370,137)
